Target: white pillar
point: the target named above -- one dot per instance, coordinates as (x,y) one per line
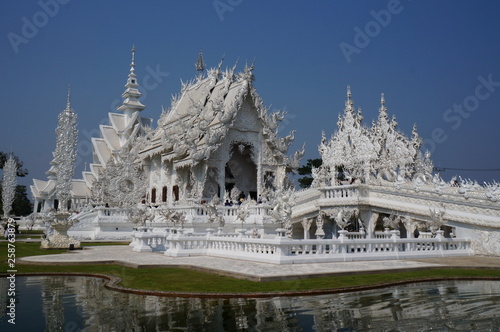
(306,224)
(35,206)
(221,174)
(371,221)
(410,228)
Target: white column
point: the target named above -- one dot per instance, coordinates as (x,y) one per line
(221,174)
(410,228)
(306,224)
(371,220)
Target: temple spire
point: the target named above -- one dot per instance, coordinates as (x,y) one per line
(132,78)
(132,94)
(133,55)
(383,110)
(68,103)
(200,64)
(349,103)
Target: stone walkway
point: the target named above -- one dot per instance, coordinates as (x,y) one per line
(252,270)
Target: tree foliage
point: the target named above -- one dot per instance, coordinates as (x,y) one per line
(22,205)
(306,170)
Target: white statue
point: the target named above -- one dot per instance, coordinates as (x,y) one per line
(282,209)
(437,218)
(342,221)
(242,213)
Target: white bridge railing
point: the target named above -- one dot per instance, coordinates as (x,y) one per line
(282,250)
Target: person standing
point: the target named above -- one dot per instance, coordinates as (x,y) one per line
(6,231)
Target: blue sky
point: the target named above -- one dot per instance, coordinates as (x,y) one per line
(437,62)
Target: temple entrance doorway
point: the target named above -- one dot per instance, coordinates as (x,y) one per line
(241,171)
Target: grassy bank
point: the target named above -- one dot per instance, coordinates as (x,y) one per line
(185,280)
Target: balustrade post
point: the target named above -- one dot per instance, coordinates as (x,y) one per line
(395,238)
(439,238)
(342,234)
(395,235)
(143,245)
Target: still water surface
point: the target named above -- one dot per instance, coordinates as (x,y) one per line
(83,304)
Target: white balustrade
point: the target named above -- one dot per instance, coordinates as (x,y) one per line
(226,211)
(340,192)
(282,250)
(382,234)
(356,235)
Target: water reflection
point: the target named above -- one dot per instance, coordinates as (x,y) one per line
(83,304)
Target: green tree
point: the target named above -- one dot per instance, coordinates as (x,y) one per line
(306,180)
(22,205)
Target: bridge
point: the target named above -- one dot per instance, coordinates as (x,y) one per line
(471,212)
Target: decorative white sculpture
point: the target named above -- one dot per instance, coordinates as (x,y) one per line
(437,218)
(378,154)
(56,236)
(320,221)
(65,154)
(342,216)
(176,217)
(9,184)
(122,183)
(392,221)
(140,214)
(282,209)
(242,213)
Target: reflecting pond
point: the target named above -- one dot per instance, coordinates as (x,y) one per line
(83,304)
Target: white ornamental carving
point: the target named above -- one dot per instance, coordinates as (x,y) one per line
(374,155)
(9,184)
(121,183)
(65,154)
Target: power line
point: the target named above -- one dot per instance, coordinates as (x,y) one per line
(442,169)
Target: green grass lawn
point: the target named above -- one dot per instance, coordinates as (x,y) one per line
(186,280)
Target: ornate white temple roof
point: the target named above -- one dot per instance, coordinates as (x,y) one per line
(101,150)
(89,178)
(40,188)
(117,121)
(80,189)
(206,108)
(110,137)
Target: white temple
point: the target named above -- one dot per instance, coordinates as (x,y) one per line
(374,197)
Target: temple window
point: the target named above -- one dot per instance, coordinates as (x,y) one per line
(164,194)
(175,191)
(153,195)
